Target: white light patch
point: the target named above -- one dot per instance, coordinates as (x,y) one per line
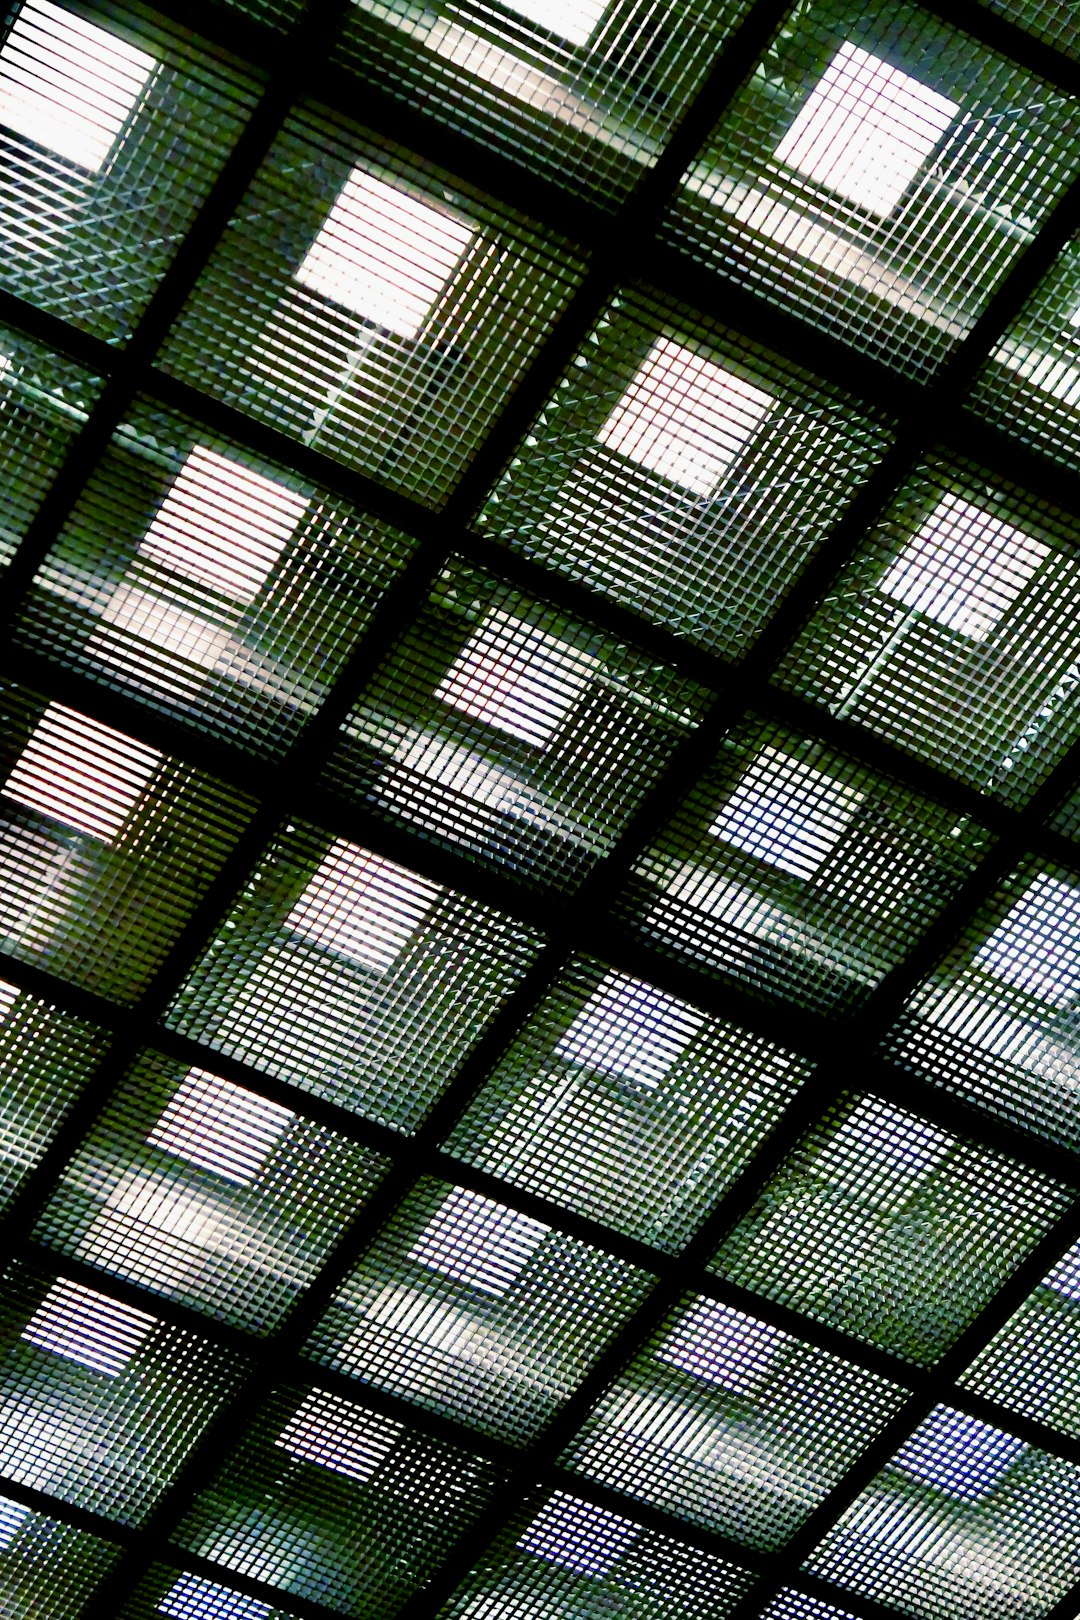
(222,525)
(219,1126)
(476,1241)
(332,1432)
(12,1518)
(1036,946)
(684,417)
(963,568)
(630,1029)
(586,1539)
(958,1454)
(164,625)
(192,1598)
(384,255)
(723,1347)
(786,812)
(362,906)
(572,20)
(9,994)
(87,1327)
(865,130)
(68,85)
(515,677)
(86,775)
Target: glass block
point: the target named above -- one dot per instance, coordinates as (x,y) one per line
(996,1021)
(732,1424)
(506,729)
(371,305)
(82,1377)
(47,1569)
(352,977)
(882,172)
(44,401)
(219,589)
(952,631)
(889,1228)
(202,1190)
(798,872)
(682,472)
(106,846)
(965,1519)
(330,1502)
(585,92)
(112,131)
(180,1595)
(1030,1365)
(627,1105)
(476,1310)
(569,1557)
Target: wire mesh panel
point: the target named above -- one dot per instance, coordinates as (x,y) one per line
(890,1228)
(882,172)
(326,1500)
(732,1423)
(220,589)
(371,305)
(352,977)
(472,1308)
(798,872)
(682,472)
(953,631)
(47,1568)
(627,1105)
(502,726)
(965,1519)
(112,131)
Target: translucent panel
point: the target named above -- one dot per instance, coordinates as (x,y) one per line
(202,1190)
(627,1105)
(181,1596)
(472,1308)
(352,977)
(87,776)
(889,1228)
(371,306)
(88,1328)
(1046,19)
(47,1569)
(509,730)
(953,631)
(880,170)
(787,813)
(682,473)
(330,1502)
(1030,1365)
(732,1424)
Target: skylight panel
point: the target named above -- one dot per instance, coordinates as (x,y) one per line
(572,20)
(219,1126)
(168,627)
(383,254)
(86,775)
(865,130)
(957,1454)
(963,568)
(881,1154)
(334,1433)
(222,525)
(627,1028)
(786,812)
(12,1518)
(67,84)
(87,1327)
(685,417)
(193,1598)
(723,1347)
(478,1242)
(363,906)
(515,677)
(1035,946)
(578,1536)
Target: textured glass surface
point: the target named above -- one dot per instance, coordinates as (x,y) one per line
(47,1568)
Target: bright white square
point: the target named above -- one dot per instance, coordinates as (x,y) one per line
(723,1347)
(865,130)
(219,1126)
(786,812)
(86,775)
(362,906)
(1036,946)
(586,1539)
(334,1433)
(88,1327)
(68,85)
(192,1598)
(222,525)
(164,625)
(963,567)
(384,255)
(476,1241)
(958,1454)
(630,1029)
(515,677)
(572,20)
(684,417)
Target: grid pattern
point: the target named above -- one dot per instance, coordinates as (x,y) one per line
(539,834)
